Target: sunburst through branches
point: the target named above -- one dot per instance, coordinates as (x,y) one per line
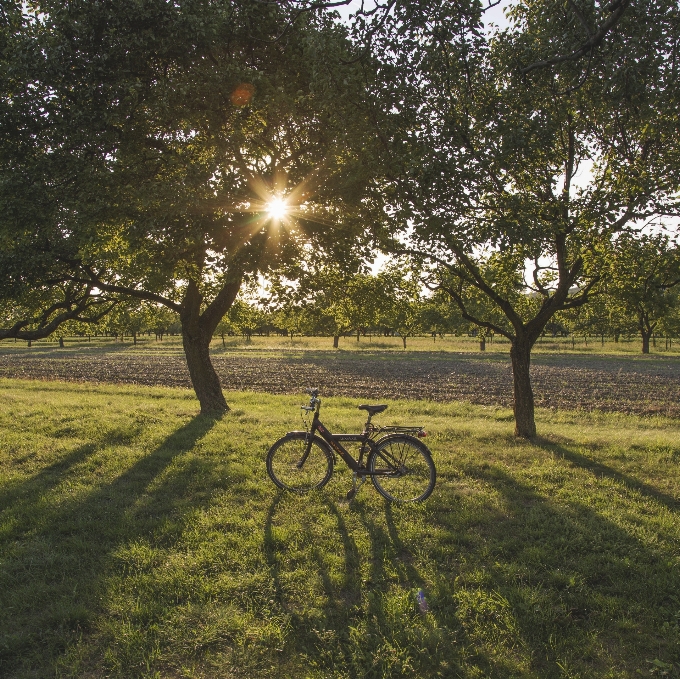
(277,209)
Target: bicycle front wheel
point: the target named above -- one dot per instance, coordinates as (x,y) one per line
(290,468)
(402,469)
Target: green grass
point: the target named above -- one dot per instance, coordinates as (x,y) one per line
(626,346)
(138,539)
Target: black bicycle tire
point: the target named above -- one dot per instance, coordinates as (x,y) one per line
(302,437)
(422,450)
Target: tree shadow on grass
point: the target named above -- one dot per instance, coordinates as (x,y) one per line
(602,470)
(580,593)
(51,570)
(18,493)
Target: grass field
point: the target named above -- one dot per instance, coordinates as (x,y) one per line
(138,539)
(613,382)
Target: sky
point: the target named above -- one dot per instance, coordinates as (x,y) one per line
(494,15)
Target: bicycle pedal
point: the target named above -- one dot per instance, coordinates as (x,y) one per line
(351,494)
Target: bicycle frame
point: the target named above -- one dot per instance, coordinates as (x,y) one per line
(334,440)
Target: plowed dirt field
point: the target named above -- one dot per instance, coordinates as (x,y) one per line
(645,385)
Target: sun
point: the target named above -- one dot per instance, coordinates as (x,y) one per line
(277,208)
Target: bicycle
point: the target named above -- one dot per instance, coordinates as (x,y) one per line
(398,463)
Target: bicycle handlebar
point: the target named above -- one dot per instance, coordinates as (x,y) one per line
(314,401)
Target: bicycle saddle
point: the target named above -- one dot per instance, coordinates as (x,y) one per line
(373,410)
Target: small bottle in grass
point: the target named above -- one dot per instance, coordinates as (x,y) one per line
(422,602)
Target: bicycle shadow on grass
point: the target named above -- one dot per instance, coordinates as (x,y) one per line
(59,559)
(275,549)
(362,614)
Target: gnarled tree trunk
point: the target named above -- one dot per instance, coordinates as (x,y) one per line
(645,341)
(204,379)
(646,330)
(197,331)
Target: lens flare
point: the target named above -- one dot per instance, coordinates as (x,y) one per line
(242,95)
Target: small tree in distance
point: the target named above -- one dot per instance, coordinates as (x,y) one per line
(643,272)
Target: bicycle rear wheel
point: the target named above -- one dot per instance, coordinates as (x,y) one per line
(406,472)
(289,469)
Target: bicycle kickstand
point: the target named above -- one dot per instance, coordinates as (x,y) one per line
(351,493)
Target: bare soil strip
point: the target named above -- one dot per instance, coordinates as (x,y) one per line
(648,385)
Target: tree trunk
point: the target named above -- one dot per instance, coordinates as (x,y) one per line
(358,333)
(645,341)
(336,341)
(523,405)
(197,331)
(403,339)
(134,337)
(482,343)
(203,376)
(61,342)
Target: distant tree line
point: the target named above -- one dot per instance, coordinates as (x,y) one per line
(640,298)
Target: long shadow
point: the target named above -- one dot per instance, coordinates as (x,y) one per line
(341,597)
(599,469)
(386,545)
(363,597)
(51,571)
(576,583)
(350,586)
(28,491)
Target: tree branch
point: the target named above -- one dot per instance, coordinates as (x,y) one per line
(72,312)
(457,298)
(617,10)
(96,282)
(222,303)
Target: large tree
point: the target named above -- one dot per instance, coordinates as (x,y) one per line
(512,180)
(166,151)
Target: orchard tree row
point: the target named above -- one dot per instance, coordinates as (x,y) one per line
(640,297)
(171,153)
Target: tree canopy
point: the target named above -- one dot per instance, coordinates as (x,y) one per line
(142,143)
(512,180)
